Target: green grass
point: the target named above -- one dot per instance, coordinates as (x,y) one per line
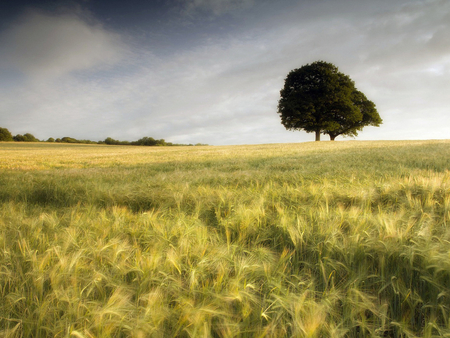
(343,239)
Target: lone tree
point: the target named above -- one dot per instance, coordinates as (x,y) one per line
(319,99)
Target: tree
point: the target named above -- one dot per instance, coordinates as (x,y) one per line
(149,141)
(318,98)
(30,138)
(19,138)
(110,140)
(5,135)
(25,138)
(67,139)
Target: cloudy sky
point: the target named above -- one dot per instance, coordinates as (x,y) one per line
(210,71)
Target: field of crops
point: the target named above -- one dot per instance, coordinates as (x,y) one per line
(322,239)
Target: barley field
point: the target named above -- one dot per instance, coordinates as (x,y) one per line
(322,239)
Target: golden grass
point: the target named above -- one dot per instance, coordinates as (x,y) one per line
(344,239)
(47,156)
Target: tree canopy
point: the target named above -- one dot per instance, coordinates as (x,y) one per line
(318,98)
(25,138)
(5,135)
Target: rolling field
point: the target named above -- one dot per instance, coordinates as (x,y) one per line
(323,239)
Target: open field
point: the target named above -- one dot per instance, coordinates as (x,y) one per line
(329,239)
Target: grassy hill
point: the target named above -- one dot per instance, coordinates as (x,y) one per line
(329,239)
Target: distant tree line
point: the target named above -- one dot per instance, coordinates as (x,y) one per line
(5,135)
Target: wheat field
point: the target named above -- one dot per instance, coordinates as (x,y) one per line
(323,239)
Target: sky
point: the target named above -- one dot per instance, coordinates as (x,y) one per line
(211,71)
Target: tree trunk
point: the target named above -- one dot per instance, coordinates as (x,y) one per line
(317,135)
(332,137)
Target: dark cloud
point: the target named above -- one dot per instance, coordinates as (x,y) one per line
(216,7)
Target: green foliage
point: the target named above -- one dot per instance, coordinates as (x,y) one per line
(5,135)
(149,141)
(112,141)
(249,241)
(318,98)
(30,138)
(69,140)
(25,138)
(19,138)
